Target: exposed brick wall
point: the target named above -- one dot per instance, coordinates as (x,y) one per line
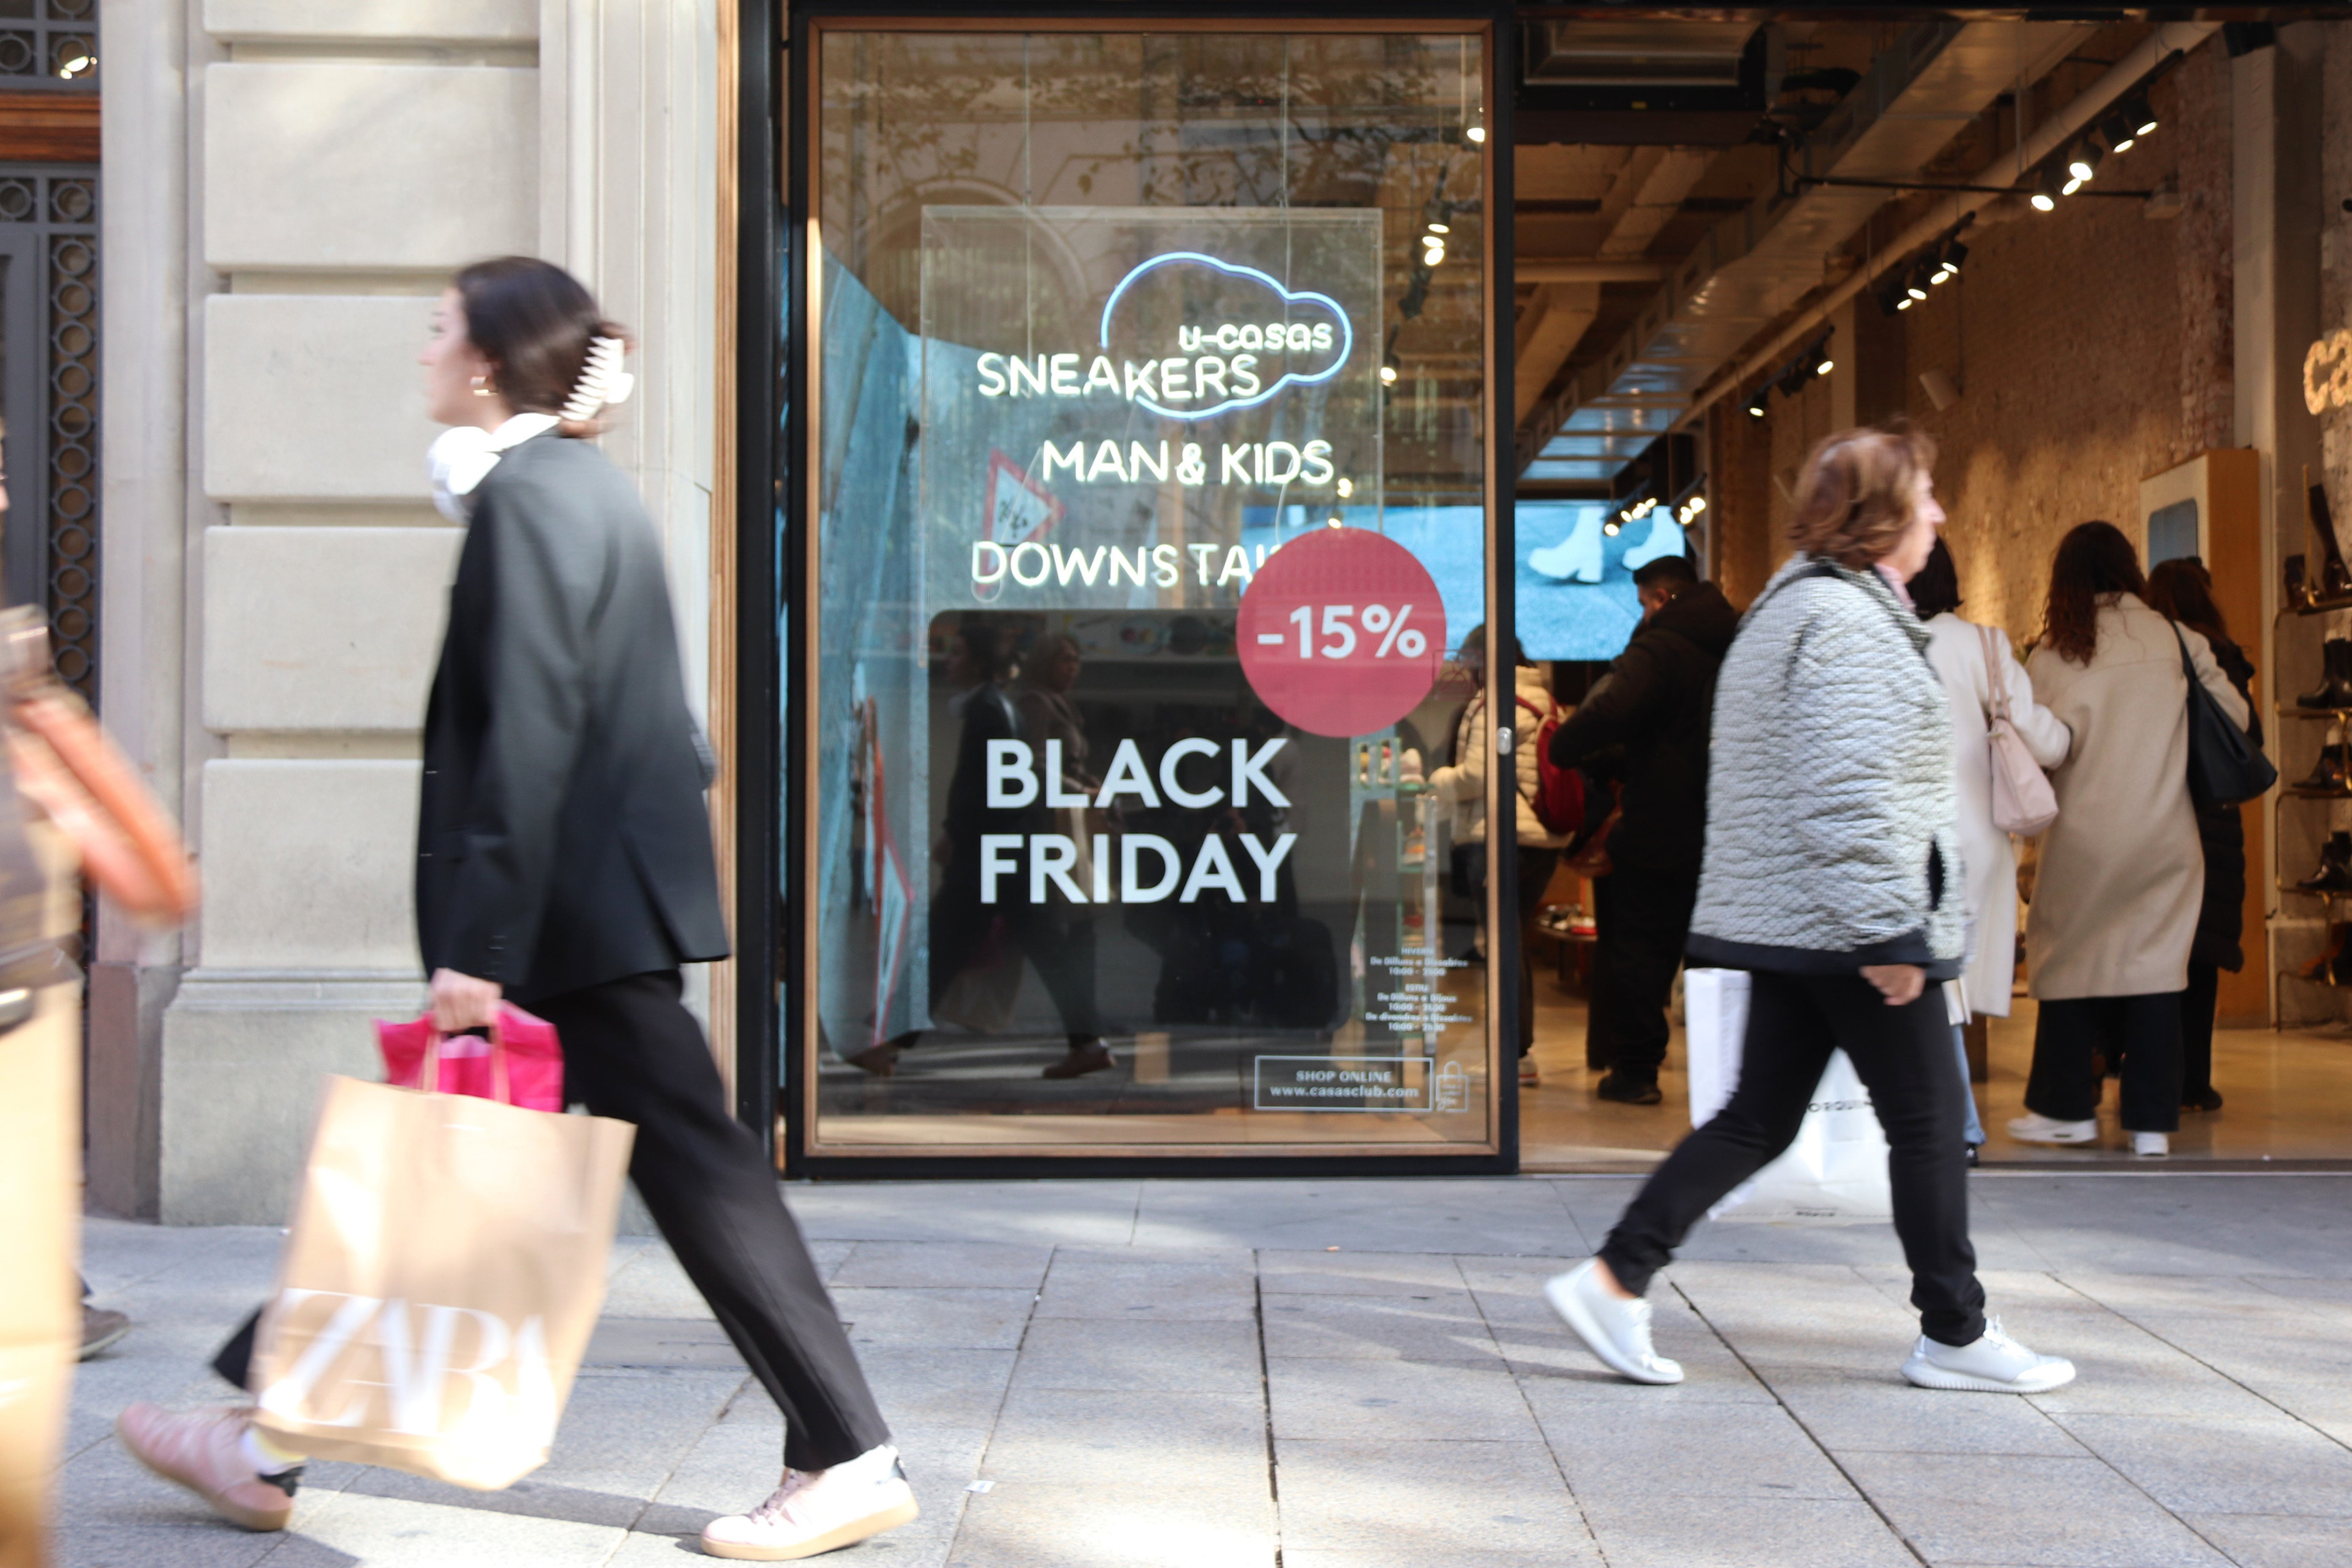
(1740,467)
(2202,121)
(2092,348)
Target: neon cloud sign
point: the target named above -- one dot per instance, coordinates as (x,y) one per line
(1345,345)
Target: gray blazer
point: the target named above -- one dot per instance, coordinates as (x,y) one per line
(561,840)
(1832,836)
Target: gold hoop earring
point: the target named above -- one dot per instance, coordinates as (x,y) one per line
(482,387)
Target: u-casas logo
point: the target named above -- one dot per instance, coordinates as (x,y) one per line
(395,1365)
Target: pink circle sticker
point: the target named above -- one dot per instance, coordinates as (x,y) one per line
(1341,632)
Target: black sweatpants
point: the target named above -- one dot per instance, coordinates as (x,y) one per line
(1643,920)
(1903,1056)
(632,1051)
(2198,1005)
(2144,1032)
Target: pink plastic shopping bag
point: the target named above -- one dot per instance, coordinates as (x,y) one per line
(521,1050)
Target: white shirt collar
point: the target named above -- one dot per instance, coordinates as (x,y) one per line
(463,456)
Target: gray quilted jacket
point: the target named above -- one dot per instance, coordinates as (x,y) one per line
(1832,836)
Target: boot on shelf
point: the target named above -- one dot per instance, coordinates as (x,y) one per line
(2299,595)
(2336,681)
(2335,578)
(2327,776)
(2335,873)
(2330,968)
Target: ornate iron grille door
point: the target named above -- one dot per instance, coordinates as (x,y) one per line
(47,44)
(49,391)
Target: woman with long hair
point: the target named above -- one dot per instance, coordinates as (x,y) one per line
(2122,878)
(1831,875)
(563,863)
(2182,591)
(1980,676)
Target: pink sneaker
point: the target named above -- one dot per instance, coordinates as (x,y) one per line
(820,1510)
(201,1450)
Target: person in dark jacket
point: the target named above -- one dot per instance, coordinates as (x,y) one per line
(564,864)
(2182,591)
(1059,947)
(1652,712)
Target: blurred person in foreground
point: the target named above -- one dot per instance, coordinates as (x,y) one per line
(1833,875)
(2181,592)
(68,802)
(2116,902)
(1974,662)
(1649,716)
(564,864)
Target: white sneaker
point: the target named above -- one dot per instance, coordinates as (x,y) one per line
(1528,1077)
(1612,1328)
(1665,538)
(1579,557)
(2035,1128)
(1995,1364)
(819,1510)
(2151,1145)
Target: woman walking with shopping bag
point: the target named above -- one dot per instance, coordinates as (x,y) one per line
(1832,874)
(564,864)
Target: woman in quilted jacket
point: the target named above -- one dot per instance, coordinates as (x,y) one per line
(1833,875)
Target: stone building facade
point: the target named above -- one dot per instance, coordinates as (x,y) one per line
(289,186)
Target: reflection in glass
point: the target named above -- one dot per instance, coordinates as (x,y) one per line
(1104,322)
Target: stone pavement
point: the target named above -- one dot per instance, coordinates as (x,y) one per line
(1361,1375)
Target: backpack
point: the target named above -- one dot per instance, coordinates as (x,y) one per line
(1558,800)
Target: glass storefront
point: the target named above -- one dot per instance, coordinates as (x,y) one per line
(1149,489)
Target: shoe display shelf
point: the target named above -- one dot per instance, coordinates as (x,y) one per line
(2329,887)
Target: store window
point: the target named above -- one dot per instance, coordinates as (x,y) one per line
(1150,509)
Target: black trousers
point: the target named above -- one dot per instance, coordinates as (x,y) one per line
(2198,1005)
(1060,947)
(2143,1031)
(1644,918)
(1903,1056)
(632,1051)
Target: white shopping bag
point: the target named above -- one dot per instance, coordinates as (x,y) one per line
(1835,1173)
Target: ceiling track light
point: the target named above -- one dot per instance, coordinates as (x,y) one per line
(2083,162)
(1954,254)
(2048,188)
(2138,116)
(2116,132)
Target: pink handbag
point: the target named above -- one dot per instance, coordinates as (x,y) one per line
(521,1063)
(2023,800)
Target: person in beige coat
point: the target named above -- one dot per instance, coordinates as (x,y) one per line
(2122,875)
(1971,660)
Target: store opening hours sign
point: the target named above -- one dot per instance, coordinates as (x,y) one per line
(1341,632)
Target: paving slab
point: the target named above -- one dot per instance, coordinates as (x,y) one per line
(1685,1450)
(1375,1401)
(1437,1326)
(1079,1436)
(2001,1507)
(1428,1502)
(1044,1524)
(2270,1541)
(1125,1284)
(1659,1531)
(1215,1357)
